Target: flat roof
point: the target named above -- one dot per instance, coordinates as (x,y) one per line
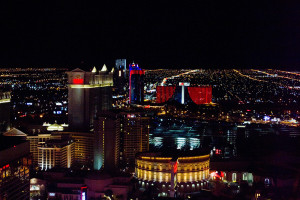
(12,148)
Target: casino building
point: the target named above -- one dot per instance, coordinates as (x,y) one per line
(172,175)
(184,94)
(136,84)
(89,93)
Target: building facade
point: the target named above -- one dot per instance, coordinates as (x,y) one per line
(88,94)
(56,153)
(178,174)
(15,162)
(83,145)
(37,141)
(120,76)
(135,136)
(184,94)
(136,84)
(121,65)
(106,141)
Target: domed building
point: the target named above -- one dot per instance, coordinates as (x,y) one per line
(170,173)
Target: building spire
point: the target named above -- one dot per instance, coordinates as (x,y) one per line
(104,68)
(94,70)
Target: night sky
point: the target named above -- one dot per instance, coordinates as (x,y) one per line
(189,34)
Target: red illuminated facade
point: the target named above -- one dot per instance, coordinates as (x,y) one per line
(136,84)
(164,93)
(201,94)
(78,81)
(184,94)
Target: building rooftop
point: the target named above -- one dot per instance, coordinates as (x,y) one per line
(15,132)
(12,148)
(173,155)
(8,142)
(58,143)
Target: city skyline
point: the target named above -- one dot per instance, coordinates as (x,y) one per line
(149,100)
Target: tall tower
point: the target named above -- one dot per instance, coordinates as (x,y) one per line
(120,66)
(136,84)
(135,136)
(120,75)
(88,94)
(106,141)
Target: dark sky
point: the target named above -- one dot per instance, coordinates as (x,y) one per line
(200,33)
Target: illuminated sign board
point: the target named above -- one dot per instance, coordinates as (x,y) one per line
(184,84)
(78,79)
(83,195)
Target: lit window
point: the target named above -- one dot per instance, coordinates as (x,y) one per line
(267,181)
(233,177)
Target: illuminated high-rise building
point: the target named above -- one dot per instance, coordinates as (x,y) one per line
(106,141)
(134,136)
(136,84)
(83,144)
(56,153)
(120,76)
(120,65)
(89,93)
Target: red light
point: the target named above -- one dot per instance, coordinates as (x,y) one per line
(248,110)
(6,166)
(140,72)
(200,95)
(148,106)
(222,174)
(164,93)
(77,81)
(14,145)
(217,174)
(175,167)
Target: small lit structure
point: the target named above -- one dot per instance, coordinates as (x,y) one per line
(55,126)
(94,70)
(15,132)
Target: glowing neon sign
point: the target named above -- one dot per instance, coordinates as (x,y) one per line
(77,81)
